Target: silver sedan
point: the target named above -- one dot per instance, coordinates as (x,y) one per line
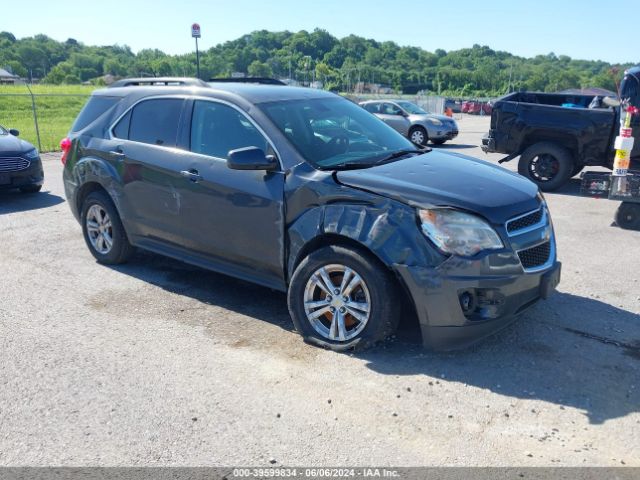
(412,121)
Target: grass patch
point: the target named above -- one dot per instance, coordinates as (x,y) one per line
(56,105)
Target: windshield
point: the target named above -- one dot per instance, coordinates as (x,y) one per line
(412,108)
(3,131)
(334,132)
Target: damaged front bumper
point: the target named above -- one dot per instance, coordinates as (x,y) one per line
(462,301)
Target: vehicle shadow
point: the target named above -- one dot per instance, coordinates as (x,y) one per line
(209,287)
(571,188)
(13,201)
(554,353)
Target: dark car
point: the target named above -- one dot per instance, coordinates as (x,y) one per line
(20,164)
(305,192)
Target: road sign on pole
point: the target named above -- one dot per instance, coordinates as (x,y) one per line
(195,33)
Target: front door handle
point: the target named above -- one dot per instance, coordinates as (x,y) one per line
(192,175)
(117,152)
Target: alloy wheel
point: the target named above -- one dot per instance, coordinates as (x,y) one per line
(99,229)
(337,302)
(544,167)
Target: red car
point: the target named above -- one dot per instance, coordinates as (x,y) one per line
(476,108)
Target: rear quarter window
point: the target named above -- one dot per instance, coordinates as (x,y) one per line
(95,107)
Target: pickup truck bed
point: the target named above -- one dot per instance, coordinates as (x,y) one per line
(558,131)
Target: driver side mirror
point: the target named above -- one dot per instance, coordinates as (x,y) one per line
(14,132)
(251,158)
(403,114)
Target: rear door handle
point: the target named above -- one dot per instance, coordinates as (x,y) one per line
(192,175)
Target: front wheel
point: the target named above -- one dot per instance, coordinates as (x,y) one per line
(419,136)
(343,299)
(547,165)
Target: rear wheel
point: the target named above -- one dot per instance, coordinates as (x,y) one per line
(546,164)
(628,216)
(343,299)
(419,136)
(103,230)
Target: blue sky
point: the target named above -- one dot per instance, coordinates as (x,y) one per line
(566,27)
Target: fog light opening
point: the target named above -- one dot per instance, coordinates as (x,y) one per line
(468,301)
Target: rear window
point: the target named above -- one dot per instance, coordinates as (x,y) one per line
(95,107)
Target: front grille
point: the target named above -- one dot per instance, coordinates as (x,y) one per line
(536,256)
(525,221)
(13,164)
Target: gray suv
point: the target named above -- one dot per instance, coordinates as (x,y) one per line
(302,191)
(413,122)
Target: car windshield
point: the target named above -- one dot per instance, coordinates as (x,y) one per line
(3,131)
(335,133)
(412,108)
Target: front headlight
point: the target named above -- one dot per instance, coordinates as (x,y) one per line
(459,233)
(434,121)
(32,154)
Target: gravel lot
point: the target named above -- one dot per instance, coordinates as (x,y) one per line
(159,363)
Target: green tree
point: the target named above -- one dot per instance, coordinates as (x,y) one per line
(259,69)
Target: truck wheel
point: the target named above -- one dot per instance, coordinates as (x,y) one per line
(419,136)
(628,216)
(343,299)
(546,164)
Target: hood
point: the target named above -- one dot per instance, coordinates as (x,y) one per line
(449,179)
(442,118)
(13,145)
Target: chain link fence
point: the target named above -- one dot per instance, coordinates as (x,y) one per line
(42,119)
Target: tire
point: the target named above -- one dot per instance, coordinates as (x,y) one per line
(419,136)
(628,216)
(377,290)
(546,164)
(31,188)
(439,141)
(96,225)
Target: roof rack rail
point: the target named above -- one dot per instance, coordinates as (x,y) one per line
(260,80)
(159,81)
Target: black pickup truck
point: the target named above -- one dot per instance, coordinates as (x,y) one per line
(556,135)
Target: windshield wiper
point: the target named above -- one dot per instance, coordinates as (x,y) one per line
(354,165)
(400,153)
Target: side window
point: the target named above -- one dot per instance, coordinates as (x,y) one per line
(390,109)
(217,128)
(121,130)
(156,121)
(372,107)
